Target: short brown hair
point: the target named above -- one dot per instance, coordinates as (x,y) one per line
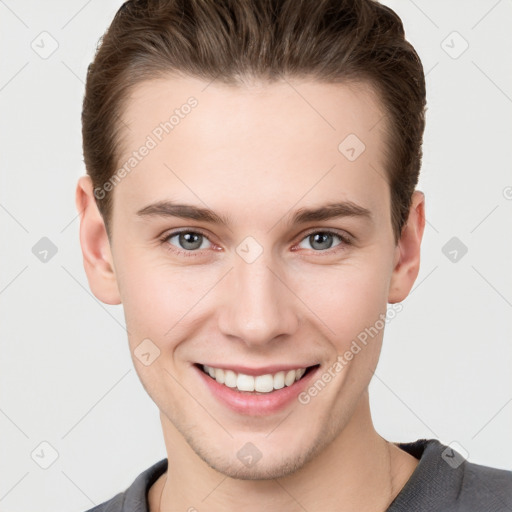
(332,41)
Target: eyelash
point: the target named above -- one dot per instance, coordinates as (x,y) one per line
(345,241)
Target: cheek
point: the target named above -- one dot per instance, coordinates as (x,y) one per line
(347,300)
(158,299)
(162,302)
(158,303)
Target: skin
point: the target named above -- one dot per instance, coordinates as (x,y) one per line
(257,153)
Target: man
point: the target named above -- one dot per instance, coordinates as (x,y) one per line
(250,200)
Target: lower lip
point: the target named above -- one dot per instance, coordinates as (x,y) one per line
(253,404)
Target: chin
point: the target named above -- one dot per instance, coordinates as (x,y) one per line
(267,464)
(262,470)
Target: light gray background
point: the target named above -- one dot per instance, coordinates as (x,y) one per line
(66,374)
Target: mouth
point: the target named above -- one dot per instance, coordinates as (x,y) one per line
(258,383)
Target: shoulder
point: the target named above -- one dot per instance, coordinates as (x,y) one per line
(134,498)
(445,480)
(485,488)
(115,504)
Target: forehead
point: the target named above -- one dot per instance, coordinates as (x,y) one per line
(284,104)
(287,138)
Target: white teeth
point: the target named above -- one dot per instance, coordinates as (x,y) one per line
(279,380)
(289,378)
(245,382)
(220,376)
(262,383)
(230,379)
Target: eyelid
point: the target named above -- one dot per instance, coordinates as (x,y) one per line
(173,232)
(333,231)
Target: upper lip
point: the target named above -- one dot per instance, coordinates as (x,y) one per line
(262,370)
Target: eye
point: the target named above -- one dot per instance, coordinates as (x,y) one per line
(187,241)
(190,243)
(321,241)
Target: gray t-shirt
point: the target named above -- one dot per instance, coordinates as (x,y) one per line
(442,481)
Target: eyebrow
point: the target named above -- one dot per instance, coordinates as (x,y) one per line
(166,208)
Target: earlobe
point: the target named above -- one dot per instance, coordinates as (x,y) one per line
(97,256)
(407,255)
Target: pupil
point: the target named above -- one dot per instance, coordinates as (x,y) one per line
(190,240)
(321,240)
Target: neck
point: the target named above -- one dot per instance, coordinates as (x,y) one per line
(359,471)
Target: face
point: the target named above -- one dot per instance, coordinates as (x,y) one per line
(254,236)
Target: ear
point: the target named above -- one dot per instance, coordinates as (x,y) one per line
(97,256)
(407,252)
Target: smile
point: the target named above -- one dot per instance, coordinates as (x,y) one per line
(255,384)
(256,392)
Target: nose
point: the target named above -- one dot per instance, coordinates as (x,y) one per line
(258,306)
